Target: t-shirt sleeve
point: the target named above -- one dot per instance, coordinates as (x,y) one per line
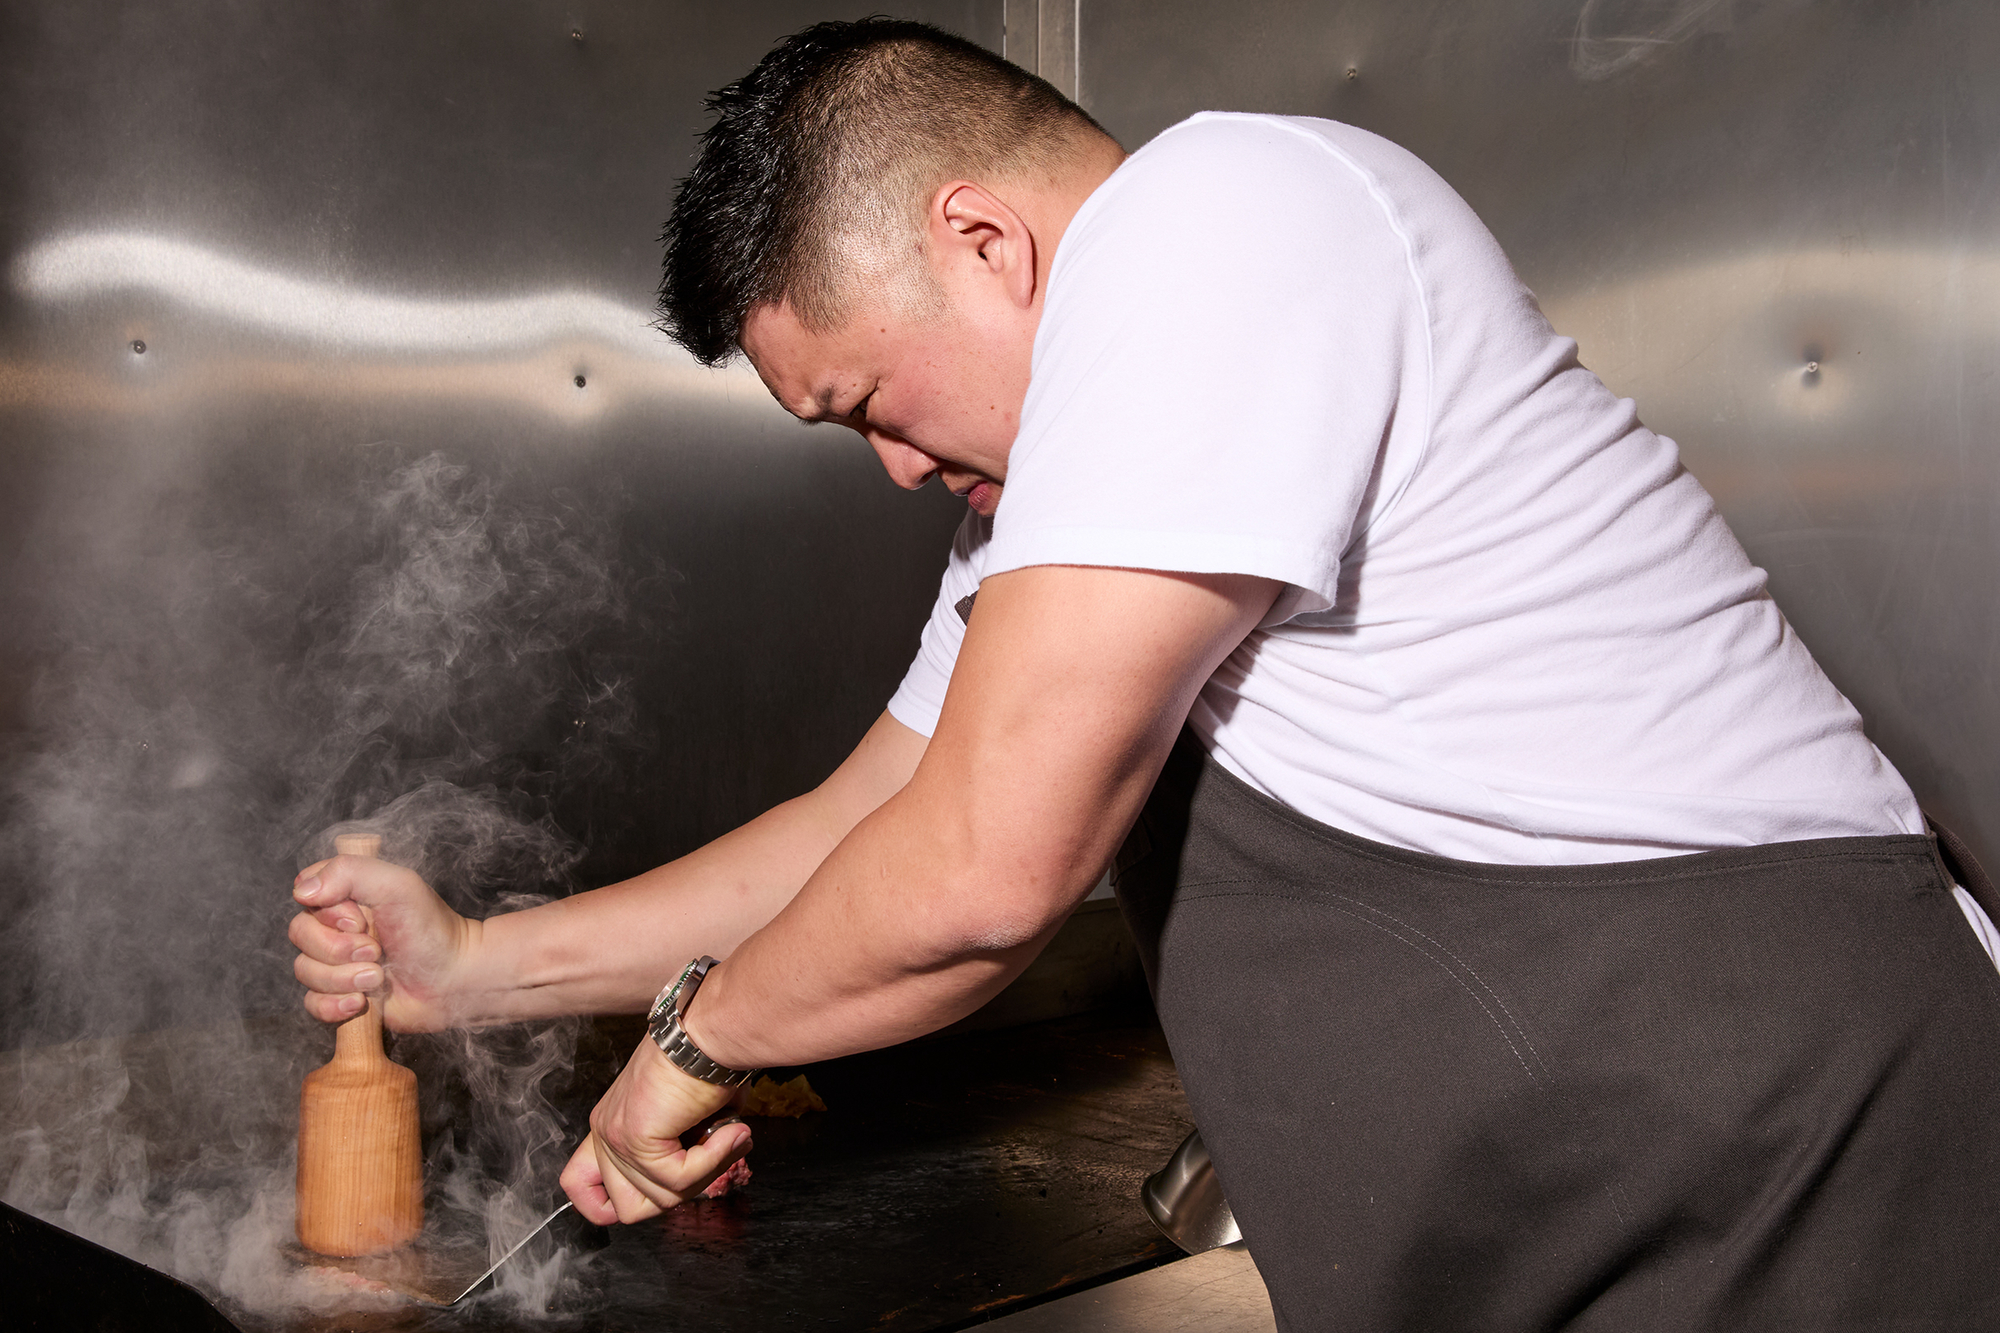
(1233,334)
(920,698)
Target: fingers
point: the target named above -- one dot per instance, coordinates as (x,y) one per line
(319,886)
(347,919)
(638,1190)
(358,914)
(630,1194)
(335,994)
(583,1181)
(606,1194)
(347,979)
(720,1148)
(337,961)
(608,1186)
(328,937)
(334,1008)
(335,887)
(684,1173)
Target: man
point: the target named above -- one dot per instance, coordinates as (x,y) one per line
(1540,940)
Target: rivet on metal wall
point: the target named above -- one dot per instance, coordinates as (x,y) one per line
(1353,73)
(579,381)
(138,347)
(1812,355)
(576,34)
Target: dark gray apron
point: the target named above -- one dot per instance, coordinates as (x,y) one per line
(1752,1089)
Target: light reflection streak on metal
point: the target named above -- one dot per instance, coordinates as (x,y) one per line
(322,311)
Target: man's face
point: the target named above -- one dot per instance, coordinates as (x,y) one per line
(936,396)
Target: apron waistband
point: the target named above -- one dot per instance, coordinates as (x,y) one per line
(1286,835)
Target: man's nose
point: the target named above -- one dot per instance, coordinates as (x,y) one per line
(907,465)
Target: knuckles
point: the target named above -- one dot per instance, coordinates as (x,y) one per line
(320,940)
(627,1192)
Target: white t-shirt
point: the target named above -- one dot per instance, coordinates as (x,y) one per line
(1514,629)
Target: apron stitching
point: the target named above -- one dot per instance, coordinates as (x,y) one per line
(1513,1048)
(1409,936)
(1365,913)
(1519,1028)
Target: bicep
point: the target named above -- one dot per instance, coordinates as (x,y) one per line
(1069,690)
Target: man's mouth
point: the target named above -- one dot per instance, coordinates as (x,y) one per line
(982,494)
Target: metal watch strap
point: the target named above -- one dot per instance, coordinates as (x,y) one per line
(663,1024)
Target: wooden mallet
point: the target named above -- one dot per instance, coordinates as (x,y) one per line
(361,1185)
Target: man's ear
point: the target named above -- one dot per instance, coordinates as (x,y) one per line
(971,228)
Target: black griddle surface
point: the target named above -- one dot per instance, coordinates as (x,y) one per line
(950,1181)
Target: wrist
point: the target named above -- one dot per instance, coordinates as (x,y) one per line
(666,1024)
(707,1022)
(498,976)
(666,1079)
(706,1035)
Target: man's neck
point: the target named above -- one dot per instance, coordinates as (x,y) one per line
(1049,207)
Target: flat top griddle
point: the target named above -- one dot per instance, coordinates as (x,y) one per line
(950,1181)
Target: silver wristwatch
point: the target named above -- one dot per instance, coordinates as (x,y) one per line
(663,1024)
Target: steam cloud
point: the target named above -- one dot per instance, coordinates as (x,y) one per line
(429,656)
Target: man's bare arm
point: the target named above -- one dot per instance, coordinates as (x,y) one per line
(1068,692)
(606,951)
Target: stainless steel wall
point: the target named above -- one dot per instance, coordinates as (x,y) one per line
(1774,223)
(259,262)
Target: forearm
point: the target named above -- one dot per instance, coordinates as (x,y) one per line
(892,938)
(610,950)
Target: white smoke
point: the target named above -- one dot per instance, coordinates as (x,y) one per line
(438,658)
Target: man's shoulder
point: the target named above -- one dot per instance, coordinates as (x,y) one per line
(1236,142)
(1228,201)
(1222,174)
(1253,127)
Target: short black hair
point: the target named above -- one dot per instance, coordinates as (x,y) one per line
(842,129)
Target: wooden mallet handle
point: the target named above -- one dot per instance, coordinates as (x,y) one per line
(361,1186)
